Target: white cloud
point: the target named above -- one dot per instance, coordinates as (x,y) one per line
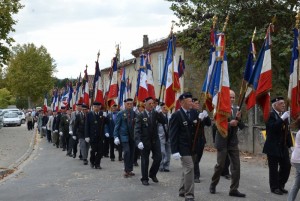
(74,30)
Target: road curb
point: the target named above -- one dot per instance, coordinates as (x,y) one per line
(14,166)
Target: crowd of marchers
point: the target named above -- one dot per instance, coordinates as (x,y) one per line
(136,131)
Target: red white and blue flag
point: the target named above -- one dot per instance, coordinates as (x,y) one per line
(113,87)
(45,106)
(261,77)
(142,92)
(293,93)
(98,86)
(86,90)
(150,81)
(123,88)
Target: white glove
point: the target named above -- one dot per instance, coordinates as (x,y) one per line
(117,141)
(201,116)
(176,156)
(56,131)
(71,132)
(134,108)
(60,133)
(74,137)
(141,146)
(106,134)
(104,114)
(285,115)
(292,149)
(44,127)
(205,113)
(87,139)
(158,109)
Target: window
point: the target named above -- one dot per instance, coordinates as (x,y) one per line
(160,67)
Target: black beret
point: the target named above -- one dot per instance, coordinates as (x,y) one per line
(194,99)
(63,107)
(185,95)
(96,103)
(148,98)
(79,104)
(128,99)
(162,104)
(274,100)
(70,108)
(84,106)
(156,100)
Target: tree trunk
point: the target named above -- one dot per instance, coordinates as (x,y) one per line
(29,102)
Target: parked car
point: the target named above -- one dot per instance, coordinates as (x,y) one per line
(22,117)
(11,118)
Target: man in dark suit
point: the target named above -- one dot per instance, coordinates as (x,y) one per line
(124,133)
(276,147)
(229,146)
(109,131)
(64,127)
(78,132)
(146,138)
(94,134)
(200,119)
(181,144)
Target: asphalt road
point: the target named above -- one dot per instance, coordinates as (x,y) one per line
(50,175)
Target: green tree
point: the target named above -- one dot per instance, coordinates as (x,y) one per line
(7,9)
(196,16)
(30,72)
(6,98)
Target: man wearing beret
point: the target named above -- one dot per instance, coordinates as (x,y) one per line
(64,127)
(124,134)
(94,134)
(278,141)
(181,143)
(78,132)
(147,140)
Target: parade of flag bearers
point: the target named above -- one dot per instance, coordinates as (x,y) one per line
(152,111)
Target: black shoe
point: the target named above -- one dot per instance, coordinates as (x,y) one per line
(112,159)
(277,191)
(228,176)
(145,183)
(236,193)
(212,189)
(189,199)
(120,159)
(106,156)
(154,179)
(166,170)
(68,154)
(98,167)
(92,165)
(74,155)
(196,180)
(85,162)
(283,190)
(80,157)
(63,149)
(181,195)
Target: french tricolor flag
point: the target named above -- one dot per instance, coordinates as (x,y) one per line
(45,106)
(143,87)
(86,90)
(98,87)
(113,87)
(293,92)
(150,82)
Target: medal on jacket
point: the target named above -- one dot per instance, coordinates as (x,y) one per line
(185,123)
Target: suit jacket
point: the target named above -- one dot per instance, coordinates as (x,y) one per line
(79,126)
(277,141)
(163,131)
(56,122)
(124,125)
(181,133)
(231,141)
(64,124)
(146,128)
(72,120)
(110,126)
(94,126)
(201,140)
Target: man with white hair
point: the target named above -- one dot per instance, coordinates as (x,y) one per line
(277,146)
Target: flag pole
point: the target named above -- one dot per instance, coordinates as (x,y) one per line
(245,86)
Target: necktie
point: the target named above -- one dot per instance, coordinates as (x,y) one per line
(188,115)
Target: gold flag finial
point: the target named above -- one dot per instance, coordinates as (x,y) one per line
(274,19)
(226,23)
(215,19)
(297,19)
(253,35)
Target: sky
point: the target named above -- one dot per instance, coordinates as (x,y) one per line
(73,31)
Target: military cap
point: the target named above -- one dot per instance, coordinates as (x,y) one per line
(79,104)
(128,99)
(274,100)
(185,95)
(62,107)
(96,103)
(84,106)
(194,99)
(148,98)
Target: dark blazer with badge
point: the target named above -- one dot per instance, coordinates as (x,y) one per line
(181,133)
(94,126)
(146,128)
(64,124)
(124,125)
(231,141)
(110,126)
(79,126)
(277,141)
(200,135)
